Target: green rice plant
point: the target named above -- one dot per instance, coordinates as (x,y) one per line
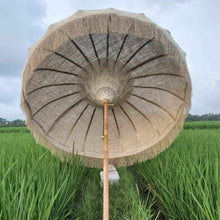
(130,205)
(185,178)
(13,129)
(180,183)
(202,125)
(124,200)
(36,185)
(90,205)
(33,183)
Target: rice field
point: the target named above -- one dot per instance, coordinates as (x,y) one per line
(180,183)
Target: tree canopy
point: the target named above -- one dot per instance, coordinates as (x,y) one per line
(205,117)
(13,123)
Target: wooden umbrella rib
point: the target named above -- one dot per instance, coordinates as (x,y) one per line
(83,54)
(71,61)
(50,85)
(52,70)
(62,114)
(147,61)
(66,58)
(29,108)
(107,47)
(71,130)
(133,55)
(77,46)
(151,123)
(129,118)
(87,131)
(156,74)
(122,45)
(54,100)
(154,103)
(57,71)
(93,45)
(182,105)
(54,138)
(116,122)
(157,88)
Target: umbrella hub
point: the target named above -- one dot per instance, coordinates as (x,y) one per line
(105,81)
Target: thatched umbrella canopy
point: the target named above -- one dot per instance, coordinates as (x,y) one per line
(111,54)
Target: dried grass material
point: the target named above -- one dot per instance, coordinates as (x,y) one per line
(106,53)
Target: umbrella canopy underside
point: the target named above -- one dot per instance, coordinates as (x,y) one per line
(111,54)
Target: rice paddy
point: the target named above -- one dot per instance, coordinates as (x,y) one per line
(180,183)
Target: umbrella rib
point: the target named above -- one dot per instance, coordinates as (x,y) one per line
(87,131)
(29,108)
(93,45)
(54,100)
(50,85)
(107,48)
(116,122)
(129,118)
(71,61)
(182,105)
(77,46)
(147,61)
(119,52)
(83,54)
(157,88)
(54,70)
(71,130)
(122,45)
(151,123)
(133,55)
(154,103)
(63,113)
(156,74)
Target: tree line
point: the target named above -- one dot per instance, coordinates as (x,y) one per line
(205,117)
(13,123)
(190,117)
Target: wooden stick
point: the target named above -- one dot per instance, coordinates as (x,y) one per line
(105,164)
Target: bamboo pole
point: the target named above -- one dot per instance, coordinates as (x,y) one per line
(105,163)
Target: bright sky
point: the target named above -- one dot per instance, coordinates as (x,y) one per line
(194,24)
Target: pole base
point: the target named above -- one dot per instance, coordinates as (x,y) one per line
(113,176)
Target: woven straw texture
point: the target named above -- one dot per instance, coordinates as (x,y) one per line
(111,54)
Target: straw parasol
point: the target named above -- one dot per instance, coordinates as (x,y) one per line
(93,53)
(96,58)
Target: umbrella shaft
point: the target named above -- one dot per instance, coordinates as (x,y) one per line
(105,165)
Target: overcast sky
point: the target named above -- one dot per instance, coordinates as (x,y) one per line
(194,24)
